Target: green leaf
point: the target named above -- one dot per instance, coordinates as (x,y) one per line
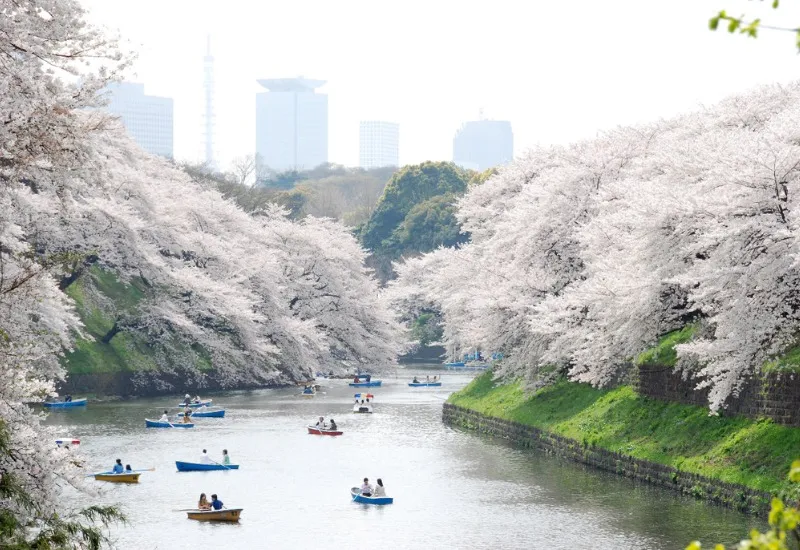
(794,472)
(713,23)
(775,4)
(733,24)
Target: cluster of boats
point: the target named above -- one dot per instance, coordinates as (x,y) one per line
(200,408)
(205,409)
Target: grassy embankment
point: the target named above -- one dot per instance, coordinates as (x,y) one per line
(99,297)
(754,453)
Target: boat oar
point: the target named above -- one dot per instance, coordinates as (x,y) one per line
(218,464)
(186,510)
(153,469)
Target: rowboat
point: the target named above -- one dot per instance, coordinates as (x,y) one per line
(158,424)
(228,514)
(199,413)
(316,431)
(204,403)
(63,404)
(424,384)
(370,384)
(129,477)
(355,492)
(196,467)
(67,442)
(363,406)
(455,364)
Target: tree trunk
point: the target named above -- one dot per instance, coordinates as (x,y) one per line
(111,333)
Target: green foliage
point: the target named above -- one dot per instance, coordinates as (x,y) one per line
(748,28)
(409,187)
(41,530)
(789,361)
(427,226)
(664,352)
(482,177)
(100,298)
(415,214)
(427,329)
(753,453)
(784,523)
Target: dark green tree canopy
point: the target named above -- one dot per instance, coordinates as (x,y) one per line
(409,187)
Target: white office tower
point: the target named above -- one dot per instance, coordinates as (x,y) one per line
(291,124)
(379,144)
(148,119)
(483,144)
(209,156)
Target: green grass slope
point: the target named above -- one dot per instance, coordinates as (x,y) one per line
(754,453)
(99,297)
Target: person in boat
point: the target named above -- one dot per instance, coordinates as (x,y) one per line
(415,381)
(186,419)
(128,469)
(321,423)
(203,503)
(333,424)
(67,399)
(379,489)
(164,417)
(187,399)
(369,377)
(427,378)
(196,399)
(118,469)
(205,459)
(366,488)
(356,380)
(216,503)
(226,459)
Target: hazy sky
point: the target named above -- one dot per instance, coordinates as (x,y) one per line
(558,70)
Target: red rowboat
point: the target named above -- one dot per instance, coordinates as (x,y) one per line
(316,431)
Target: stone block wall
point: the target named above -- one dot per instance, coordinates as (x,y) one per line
(775,396)
(727,494)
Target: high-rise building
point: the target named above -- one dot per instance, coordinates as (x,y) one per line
(210,157)
(291,124)
(483,144)
(148,119)
(379,144)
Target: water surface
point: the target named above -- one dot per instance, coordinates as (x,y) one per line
(452,489)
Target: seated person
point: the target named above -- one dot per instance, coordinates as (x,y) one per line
(203,503)
(321,423)
(128,469)
(164,417)
(366,488)
(216,503)
(333,424)
(415,381)
(118,469)
(187,399)
(380,491)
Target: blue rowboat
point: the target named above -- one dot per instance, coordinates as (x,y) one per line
(205,403)
(62,404)
(156,424)
(424,384)
(370,384)
(355,493)
(204,414)
(195,467)
(455,364)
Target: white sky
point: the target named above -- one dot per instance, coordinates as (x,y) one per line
(558,70)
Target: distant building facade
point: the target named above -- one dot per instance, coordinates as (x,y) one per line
(148,119)
(291,124)
(379,144)
(483,144)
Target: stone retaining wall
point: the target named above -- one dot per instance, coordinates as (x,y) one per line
(727,494)
(771,395)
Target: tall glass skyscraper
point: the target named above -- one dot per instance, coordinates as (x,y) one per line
(148,119)
(379,144)
(291,124)
(483,144)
